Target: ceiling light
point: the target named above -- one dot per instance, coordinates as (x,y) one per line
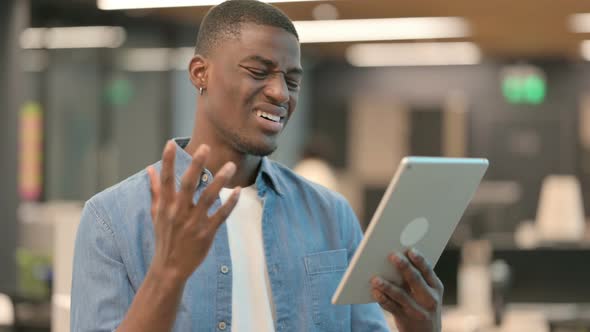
(381,29)
(145,59)
(72,37)
(579,23)
(32,38)
(585,50)
(155,59)
(325,11)
(413,54)
(137,4)
(181,58)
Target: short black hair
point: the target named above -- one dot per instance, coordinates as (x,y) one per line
(224,21)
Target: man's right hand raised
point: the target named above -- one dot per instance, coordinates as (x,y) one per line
(184,231)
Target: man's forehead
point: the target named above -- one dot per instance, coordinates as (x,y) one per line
(268,36)
(268,45)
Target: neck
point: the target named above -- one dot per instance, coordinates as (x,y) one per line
(246,165)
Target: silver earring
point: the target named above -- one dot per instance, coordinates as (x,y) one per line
(201,91)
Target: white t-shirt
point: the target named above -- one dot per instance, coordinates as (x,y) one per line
(252,307)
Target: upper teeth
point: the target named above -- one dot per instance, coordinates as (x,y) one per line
(272,117)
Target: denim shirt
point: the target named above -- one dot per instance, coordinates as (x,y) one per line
(309,234)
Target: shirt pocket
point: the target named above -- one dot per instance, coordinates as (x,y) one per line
(324,271)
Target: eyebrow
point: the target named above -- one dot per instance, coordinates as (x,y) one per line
(272,64)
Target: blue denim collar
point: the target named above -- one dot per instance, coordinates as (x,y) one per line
(266,176)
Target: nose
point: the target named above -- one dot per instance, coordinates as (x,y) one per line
(277,90)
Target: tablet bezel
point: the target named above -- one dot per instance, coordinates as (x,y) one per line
(478,167)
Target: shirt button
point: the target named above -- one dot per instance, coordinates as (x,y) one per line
(224,269)
(205,177)
(222,326)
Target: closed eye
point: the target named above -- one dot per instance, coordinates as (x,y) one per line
(257,73)
(260,74)
(293,85)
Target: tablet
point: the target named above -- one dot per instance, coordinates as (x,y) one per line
(420,209)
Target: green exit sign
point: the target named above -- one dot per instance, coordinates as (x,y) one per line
(524,85)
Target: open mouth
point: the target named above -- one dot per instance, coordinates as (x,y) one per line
(270,117)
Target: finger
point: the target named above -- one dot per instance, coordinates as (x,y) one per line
(414,280)
(191,177)
(167,192)
(225,210)
(212,192)
(422,264)
(154,189)
(388,293)
(386,303)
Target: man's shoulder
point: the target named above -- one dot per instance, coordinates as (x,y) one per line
(290,182)
(121,198)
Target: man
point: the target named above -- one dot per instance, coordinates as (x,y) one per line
(153,253)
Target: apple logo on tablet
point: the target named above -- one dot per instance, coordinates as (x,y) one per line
(414,231)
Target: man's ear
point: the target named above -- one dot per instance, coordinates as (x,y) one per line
(198,71)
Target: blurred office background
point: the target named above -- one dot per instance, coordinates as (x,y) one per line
(91,90)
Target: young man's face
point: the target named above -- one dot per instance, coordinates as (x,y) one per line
(252,87)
